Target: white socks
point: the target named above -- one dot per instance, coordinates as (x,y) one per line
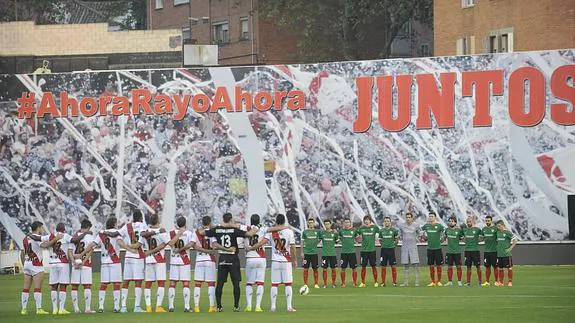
(274,295)
(259,295)
(249,292)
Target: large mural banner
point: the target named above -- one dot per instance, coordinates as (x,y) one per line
(460,136)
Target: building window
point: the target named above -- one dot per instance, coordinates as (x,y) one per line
(178,2)
(424,50)
(244,28)
(466,46)
(159,4)
(221,33)
(467,3)
(405,30)
(500,41)
(186,33)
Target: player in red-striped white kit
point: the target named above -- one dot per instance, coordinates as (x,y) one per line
(82,272)
(33,265)
(59,270)
(134,262)
(205,268)
(111,268)
(180,263)
(255,265)
(155,263)
(283,258)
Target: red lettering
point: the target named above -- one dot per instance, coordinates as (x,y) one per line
(163,104)
(363,122)
(88,107)
(200,103)
(296,100)
(263,101)
(120,106)
(536,110)
(278,97)
(48,106)
(241,97)
(141,100)
(482,81)
(104,101)
(561,89)
(66,102)
(221,101)
(181,105)
(432,100)
(385,102)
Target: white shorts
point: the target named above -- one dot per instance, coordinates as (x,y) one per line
(59,274)
(281,272)
(32,270)
(255,270)
(180,273)
(111,273)
(409,255)
(82,276)
(134,269)
(205,271)
(155,272)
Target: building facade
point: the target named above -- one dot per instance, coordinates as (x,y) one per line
(244,37)
(464,27)
(234,25)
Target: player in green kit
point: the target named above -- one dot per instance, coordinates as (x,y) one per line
(506,241)
(433,231)
(328,256)
(310,238)
(471,235)
(347,236)
(454,235)
(389,238)
(490,252)
(368,232)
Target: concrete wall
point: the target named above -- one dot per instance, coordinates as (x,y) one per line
(536,24)
(22,38)
(556,253)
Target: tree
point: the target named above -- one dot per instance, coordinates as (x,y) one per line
(345,29)
(128,14)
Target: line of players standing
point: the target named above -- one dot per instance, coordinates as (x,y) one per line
(145,262)
(497,254)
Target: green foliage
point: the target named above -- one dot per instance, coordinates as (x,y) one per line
(345,29)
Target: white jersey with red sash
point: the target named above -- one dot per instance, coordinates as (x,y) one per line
(130,233)
(58,251)
(206,243)
(152,243)
(80,246)
(181,258)
(281,242)
(110,249)
(32,249)
(253,240)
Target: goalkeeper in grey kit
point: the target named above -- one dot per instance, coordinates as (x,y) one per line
(409,233)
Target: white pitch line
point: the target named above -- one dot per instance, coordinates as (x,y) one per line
(446,296)
(389,309)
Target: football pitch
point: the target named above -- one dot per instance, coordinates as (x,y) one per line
(539,294)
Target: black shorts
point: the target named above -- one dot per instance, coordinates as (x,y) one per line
(472,258)
(504,262)
(387,257)
(348,259)
(490,259)
(368,257)
(310,260)
(453,259)
(328,261)
(434,257)
(232,268)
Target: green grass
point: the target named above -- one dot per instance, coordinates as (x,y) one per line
(539,294)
